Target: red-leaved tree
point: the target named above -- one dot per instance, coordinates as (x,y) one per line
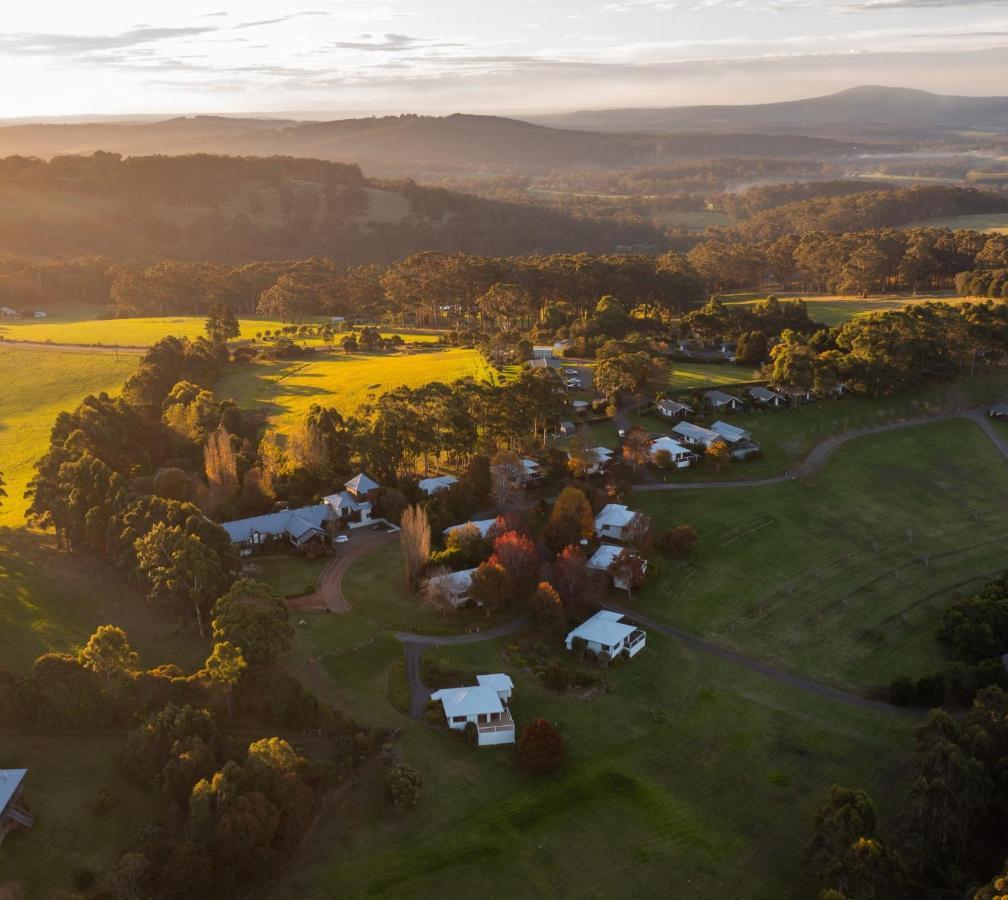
(517,556)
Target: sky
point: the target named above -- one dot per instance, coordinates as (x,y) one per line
(70,58)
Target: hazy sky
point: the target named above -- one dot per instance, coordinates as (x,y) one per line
(70,57)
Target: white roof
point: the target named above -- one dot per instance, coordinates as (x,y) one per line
(694,432)
(605,627)
(667,443)
(10,781)
(438,483)
(531,466)
(598,454)
(481,525)
(361,484)
(720,397)
(469,701)
(614,514)
(498,682)
(346,500)
(295,522)
(730,432)
(580,404)
(603,557)
(456,582)
(765,394)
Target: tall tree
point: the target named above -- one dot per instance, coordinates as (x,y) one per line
(252,617)
(415,540)
(570,520)
(108,652)
(222,324)
(225,665)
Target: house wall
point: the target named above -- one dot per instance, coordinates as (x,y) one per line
(492,738)
(613,531)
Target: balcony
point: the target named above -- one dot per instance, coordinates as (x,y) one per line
(503,722)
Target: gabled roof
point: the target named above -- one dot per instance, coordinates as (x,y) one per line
(765,395)
(346,500)
(694,432)
(468,701)
(605,627)
(498,682)
(438,483)
(531,466)
(721,397)
(667,443)
(482,526)
(730,433)
(361,484)
(602,558)
(999,409)
(614,514)
(295,522)
(458,583)
(673,407)
(10,782)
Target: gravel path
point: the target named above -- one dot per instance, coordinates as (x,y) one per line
(330,593)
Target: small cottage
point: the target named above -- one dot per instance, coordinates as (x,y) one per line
(673,410)
(12,812)
(606,632)
(613,520)
(723,402)
(482,704)
(602,560)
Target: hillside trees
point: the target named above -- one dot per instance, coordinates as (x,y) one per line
(251,616)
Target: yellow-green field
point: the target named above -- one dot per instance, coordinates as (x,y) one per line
(285,389)
(143,332)
(38,384)
(836,309)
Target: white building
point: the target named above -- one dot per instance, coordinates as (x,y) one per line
(673,410)
(456,585)
(299,526)
(484,706)
(531,471)
(500,683)
(612,520)
(766,397)
(438,483)
(722,401)
(606,632)
(603,558)
(353,504)
(481,525)
(681,456)
(739,441)
(596,459)
(12,814)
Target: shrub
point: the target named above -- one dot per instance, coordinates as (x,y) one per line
(433,716)
(603,658)
(470,734)
(404,784)
(902,691)
(679,541)
(579,646)
(590,656)
(540,747)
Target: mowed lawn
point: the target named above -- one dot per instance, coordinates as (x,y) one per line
(844,576)
(38,384)
(145,331)
(686,376)
(690,777)
(285,389)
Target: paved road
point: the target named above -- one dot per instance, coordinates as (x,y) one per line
(755,665)
(415,645)
(820,454)
(330,593)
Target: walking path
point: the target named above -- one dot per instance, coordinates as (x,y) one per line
(415,645)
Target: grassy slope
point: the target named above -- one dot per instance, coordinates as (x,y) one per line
(691,775)
(834,310)
(990,222)
(286,389)
(53,601)
(37,386)
(684,376)
(790,572)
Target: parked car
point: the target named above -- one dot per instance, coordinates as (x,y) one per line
(341,539)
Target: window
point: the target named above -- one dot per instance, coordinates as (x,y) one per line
(460,718)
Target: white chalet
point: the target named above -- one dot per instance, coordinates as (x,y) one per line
(681,456)
(606,632)
(455,584)
(672,410)
(766,397)
(738,439)
(438,483)
(603,558)
(481,525)
(596,459)
(482,704)
(722,401)
(612,520)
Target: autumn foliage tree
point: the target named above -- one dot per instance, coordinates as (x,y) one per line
(516,555)
(570,576)
(489,586)
(570,519)
(540,747)
(548,609)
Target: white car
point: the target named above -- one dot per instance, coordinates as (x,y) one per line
(341,539)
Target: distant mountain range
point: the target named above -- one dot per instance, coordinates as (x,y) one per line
(406,145)
(851,113)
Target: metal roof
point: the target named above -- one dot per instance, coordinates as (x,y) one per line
(605,627)
(614,514)
(721,397)
(295,522)
(497,682)
(695,432)
(438,483)
(468,701)
(667,443)
(361,484)
(10,783)
(481,525)
(730,433)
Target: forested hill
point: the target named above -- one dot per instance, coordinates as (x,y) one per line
(408,145)
(866,110)
(863,211)
(235,209)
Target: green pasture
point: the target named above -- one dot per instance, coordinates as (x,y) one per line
(39,384)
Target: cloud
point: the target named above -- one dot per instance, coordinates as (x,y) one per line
(47,44)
